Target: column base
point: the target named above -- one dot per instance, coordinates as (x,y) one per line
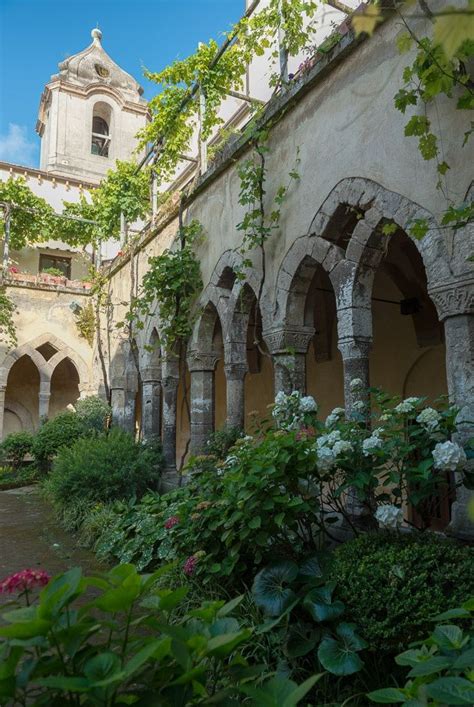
(170,479)
(462,524)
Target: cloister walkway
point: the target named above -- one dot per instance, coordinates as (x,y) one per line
(30,537)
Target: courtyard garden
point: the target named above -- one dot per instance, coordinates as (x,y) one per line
(301,564)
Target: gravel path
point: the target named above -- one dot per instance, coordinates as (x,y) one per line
(30,537)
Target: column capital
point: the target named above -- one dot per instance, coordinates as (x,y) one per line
(454,297)
(288,339)
(236,371)
(151,374)
(169,383)
(354,348)
(202,361)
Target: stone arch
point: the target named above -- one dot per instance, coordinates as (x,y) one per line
(378,205)
(295,275)
(22,413)
(46,368)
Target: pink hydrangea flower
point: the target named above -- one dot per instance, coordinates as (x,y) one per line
(306,433)
(189,566)
(24,580)
(171,522)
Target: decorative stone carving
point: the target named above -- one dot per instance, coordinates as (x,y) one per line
(285,339)
(453,298)
(235,371)
(202,361)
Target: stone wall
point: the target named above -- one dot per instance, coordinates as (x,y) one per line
(340,298)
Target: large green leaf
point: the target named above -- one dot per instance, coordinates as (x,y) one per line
(448,637)
(302,638)
(452,691)
(339,655)
(225,643)
(387,696)
(431,666)
(270,587)
(279,692)
(319,603)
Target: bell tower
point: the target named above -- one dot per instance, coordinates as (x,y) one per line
(89,115)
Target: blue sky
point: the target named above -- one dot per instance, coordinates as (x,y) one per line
(36,34)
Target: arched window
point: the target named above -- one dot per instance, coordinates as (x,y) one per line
(100,144)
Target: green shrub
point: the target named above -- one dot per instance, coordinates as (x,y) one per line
(62,430)
(441,667)
(102,469)
(221,441)
(94,412)
(393,586)
(67,648)
(15,447)
(234,516)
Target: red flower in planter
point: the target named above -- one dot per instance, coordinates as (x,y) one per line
(24,580)
(14,270)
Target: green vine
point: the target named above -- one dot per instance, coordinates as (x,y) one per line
(172,283)
(7,325)
(85,323)
(175,109)
(440,68)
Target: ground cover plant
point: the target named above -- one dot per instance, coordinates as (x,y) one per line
(128,645)
(266,516)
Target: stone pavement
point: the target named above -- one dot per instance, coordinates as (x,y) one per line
(30,537)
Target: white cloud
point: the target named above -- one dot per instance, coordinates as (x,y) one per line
(16,147)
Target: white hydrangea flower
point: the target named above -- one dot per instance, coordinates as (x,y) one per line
(359,405)
(308,404)
(334,416)
(371,444)
(280,398)
(408,405)
(385,417)
(230,461)
(448,456)
(356,383)
(342,446)
(326,458)
(429,419)
(389,516)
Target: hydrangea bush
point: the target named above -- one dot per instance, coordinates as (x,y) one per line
(282,492)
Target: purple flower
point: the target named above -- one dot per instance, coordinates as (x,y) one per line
(189,566)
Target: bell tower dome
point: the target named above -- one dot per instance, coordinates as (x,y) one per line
(89,115)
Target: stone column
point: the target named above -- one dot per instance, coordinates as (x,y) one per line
(201,368)
(455,304)
(43,400)
(2,409)
(123,408)
(169,386)
(288,347)
(151,403)
(235,378)
(355,358)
